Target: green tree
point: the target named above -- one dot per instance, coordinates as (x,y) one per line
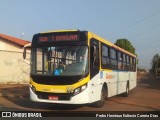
(125,44)
(155,63)
(141,70)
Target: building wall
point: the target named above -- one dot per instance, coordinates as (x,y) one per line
(4,45)
(13,69)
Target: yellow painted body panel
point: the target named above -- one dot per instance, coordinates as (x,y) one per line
(51,31)
(59,88)
(100,39)
(106,70)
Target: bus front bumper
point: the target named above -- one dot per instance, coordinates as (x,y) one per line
(81,98)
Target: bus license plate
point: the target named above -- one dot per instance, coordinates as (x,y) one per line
(53,97)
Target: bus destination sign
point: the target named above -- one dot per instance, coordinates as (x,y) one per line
(52,38)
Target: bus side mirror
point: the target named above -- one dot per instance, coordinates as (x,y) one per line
(25,49)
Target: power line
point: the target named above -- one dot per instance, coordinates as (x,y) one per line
(146,43)
(138,21)
(150,46)
(147,30)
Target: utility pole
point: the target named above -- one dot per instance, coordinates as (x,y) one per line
(22,35)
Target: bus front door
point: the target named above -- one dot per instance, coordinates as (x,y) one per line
(94,71)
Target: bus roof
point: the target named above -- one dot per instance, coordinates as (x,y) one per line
(96,37)
(59,31)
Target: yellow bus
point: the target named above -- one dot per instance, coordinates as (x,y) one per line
(78,67)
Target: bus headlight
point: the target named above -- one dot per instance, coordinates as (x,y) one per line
(83,87)
(33,89)
(80,89)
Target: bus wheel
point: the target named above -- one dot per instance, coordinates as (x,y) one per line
(101,102)
(125,94)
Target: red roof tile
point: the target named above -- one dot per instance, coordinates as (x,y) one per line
(14,40)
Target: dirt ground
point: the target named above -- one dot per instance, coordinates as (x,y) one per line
(14,90)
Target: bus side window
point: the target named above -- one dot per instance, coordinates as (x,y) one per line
(131,64)
(127,62)
(119,60)
(134,64)
(124,62)
(113,57)
(105,57)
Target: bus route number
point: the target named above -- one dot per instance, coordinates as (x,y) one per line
(43,39)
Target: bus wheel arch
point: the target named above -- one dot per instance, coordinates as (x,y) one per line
(104,96)
(126,93)
(106,88)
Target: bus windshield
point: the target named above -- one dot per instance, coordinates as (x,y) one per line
(60,60)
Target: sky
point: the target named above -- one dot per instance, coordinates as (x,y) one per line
(136,20)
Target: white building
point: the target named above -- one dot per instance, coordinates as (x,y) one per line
(12,67)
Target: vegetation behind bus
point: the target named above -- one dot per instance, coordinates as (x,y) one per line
(155,65)
(126,45)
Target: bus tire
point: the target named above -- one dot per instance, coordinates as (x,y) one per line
(126,93)
(101,102)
